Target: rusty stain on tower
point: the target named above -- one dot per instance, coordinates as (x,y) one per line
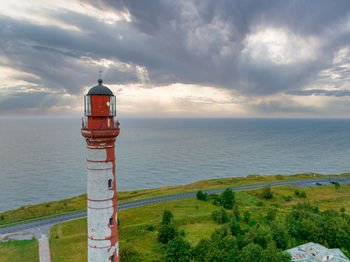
(100,129)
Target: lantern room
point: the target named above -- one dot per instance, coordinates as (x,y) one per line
(99,108)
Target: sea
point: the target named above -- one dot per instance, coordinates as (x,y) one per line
(44,159)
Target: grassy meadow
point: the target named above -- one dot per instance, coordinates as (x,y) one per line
(138,226)
(25,250)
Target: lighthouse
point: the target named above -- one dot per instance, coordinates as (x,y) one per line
(100,129)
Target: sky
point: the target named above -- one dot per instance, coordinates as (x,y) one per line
(183,58)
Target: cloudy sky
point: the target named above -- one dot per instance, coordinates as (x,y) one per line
(183,58)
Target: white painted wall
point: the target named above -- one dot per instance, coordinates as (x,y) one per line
(100,206)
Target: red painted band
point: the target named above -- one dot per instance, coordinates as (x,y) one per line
(100,207)
(100,161)
(109,168)
(103,239)
(95,200)
(99,247)
(101,147)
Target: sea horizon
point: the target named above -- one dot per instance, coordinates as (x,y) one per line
(44,159)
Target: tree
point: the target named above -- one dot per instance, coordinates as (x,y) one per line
(202,251)
(235,227)
(228,243)
(167,217)
(283,257)
(166,233)
(228,198)
(178,250)
(270,253)
(267,193)
(236,213)
(214,249)
(258,234)
(202,196)
(271,214)
(250,253)
(280,235)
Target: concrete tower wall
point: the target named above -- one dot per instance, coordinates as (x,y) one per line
(102,213)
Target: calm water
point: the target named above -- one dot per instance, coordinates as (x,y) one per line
(44,159)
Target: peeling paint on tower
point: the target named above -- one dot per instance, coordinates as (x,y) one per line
(100,129)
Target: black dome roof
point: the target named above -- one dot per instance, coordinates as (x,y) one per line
(100,90)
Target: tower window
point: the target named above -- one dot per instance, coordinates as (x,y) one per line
(109,183)
(111,221)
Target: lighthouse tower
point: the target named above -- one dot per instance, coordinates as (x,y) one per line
(100,130)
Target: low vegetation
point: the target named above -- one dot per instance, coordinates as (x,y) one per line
(25,250)
(79,202)
(255,228)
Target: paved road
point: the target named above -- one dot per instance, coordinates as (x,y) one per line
(44,248)
(47,223)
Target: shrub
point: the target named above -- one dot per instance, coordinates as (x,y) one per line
(246,216)
(128,253)
(150,228)
(337,185)
(167,217)
(300,194)
(220,216)
(287,198)
(215,199)
(267,193)
(279,177)
(202,196)
(259,204)
(275,204)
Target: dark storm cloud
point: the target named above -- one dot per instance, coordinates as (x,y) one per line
(24,101)
(52,54)
(197,42)
(336,93)
(170,25)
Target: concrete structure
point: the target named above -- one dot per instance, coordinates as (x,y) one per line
(100,130)
(312,252)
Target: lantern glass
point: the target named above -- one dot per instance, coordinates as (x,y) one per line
(112,106)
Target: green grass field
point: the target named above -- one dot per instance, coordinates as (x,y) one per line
(68,240)
(17,251)
(79,202)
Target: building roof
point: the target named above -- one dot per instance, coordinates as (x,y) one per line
(100,90)
(313,252)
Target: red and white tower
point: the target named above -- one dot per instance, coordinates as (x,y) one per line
(100,130)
